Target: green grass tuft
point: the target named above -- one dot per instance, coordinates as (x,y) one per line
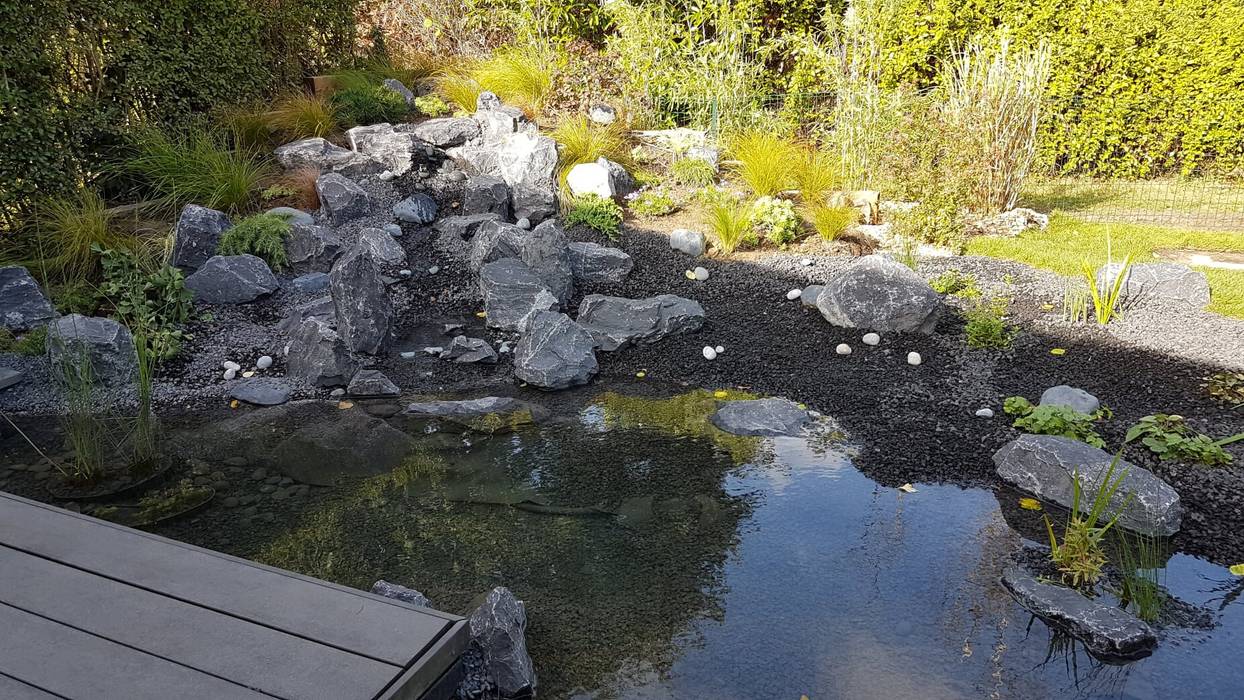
(764,161)
(197,168)
(596,213)
(303,116)
(730,221)
(581,141)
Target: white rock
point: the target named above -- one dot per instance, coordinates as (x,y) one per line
(231,373)
(793,294)
(806,262)
(409,355)
(230,364)
(405,273)
(385,176)
(523,223)
(505,347)
(843,349)
(701,273)
(913,358)
(984,413)
(264,362)
(709,353)
(434,350)
(337,392)
(871,339)
(719,349)
(433,270)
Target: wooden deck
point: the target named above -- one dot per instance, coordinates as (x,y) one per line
(91,610)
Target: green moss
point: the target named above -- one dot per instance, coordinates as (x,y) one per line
(30,343)
(685,415)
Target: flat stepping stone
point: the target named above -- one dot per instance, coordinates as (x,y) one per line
(771,417)
(9,377)
(260,391)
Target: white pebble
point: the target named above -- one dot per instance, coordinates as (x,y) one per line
(230,364)
(434,350)
(871,339)
(985,413)
(719,349)
(701,274)
(337,392)
(709,353)
(793,294)
(843,349)
(386,176)
(913,358)
(409,355)
(505,347)
(264,362)
(231,373)
(806,262)
(405,273)
(433,270)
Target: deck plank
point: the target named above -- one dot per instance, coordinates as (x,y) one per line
(72,663)
(352,620)
(13,689)
(253,655)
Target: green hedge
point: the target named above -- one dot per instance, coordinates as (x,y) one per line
(76,75)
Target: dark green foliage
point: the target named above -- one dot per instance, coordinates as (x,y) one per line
(1168,437)
(196,167)
(30,343)
(1055,420)
(149,303)
(262,235)
(362,104)
(596,213)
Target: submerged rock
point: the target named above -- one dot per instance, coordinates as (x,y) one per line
(22,303)
(1043,465)
(196,236)
(616,322)
(489,414)
(555,352)
(1106,630)
(402,593)
(498,627)
(1077,400)
(260,391)
(880,294)
(76,343)
(232,279)
(771,417)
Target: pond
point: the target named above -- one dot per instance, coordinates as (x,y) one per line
(662,558)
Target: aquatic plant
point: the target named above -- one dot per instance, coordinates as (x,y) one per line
(695,172)
(261,235)
(1141,563)
(683,415)
(595,212)
(1079,557)
(1055,420)
(143,436)
(1169,437)
(83,428)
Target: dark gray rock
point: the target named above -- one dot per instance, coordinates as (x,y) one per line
(498,627)
(402,593)
(544,249)
(1161,283)
(319,308)
(447,131)
(9,377)
(232,279)
(364,310)
(418,208)
(1107,631)
(319,154)
(616,322)
(512,291)
(260,391)
(687,241)
(809,295)
(382,246)
(371,383)
(312,248)
(486,194)
(555,352)
(22,304)
(1044,465)
(881,295)
(341,199)
(292,215)
(464,227)
(592,263)
(466,350)
(771,417)
(310,283)
(527,163)
(196,236)
(318,355)
(1071,397)
(397,86)
(101,346)
(492,414)
(384,143)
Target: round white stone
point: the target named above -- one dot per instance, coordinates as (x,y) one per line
(806,262)
(793,294)
(337,392)
(843,349)
(984,413)
(434,350)
(701,274)
(434,269)
(264,362)
(709,353)
(913,358)
(719,349)
(405,273)
(409,355)
(231,373)
(230,364)
(871,339)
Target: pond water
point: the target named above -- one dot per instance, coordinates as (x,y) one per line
(661,558)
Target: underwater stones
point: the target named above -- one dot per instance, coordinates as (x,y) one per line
(232,279)
(367,383)
(1077,400)
(1162,283)
(592,263)
(489,414)
(9,377)
(318,355)
(418,208)
(364,310)
(196,236)
(555,352)
(687,241)
(810,294)
(771,417)
(402,593)
(260,391)
(22,303)
(1106,630)
(615,322)
(498,628)
(604,178)
(446,132)
(312,248)
(1043,465)
(466,350)
(486,194)
(880,294)
(512,291)
(76,341)
(381,246)
(341,199)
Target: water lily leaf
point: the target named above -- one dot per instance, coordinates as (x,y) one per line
(1058,351)
(1029,504)
(907,488)
(1237,569)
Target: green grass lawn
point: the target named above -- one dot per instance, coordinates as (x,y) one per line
(1068,243)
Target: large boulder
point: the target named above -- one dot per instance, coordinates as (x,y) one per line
(881,295)
(446,132)
(418,208)
(771,417)
(312,248)
(616,322)
(1159,283)
(486,194)
(197,235)
(604,178)
(527,163)
(544,249)
(512,291)
(1046,465)
(318,355)
(555,352)
(232,279)
(341,198)
(364,310)
(498,629)
(22,304)
(319,154)
(102,347)
(1071,397)
(1108,631)
(593,263)
(385,144)
(382,246)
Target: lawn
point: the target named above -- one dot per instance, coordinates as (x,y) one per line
(1069,242)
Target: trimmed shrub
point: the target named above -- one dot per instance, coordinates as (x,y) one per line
(596,213)
(262,235)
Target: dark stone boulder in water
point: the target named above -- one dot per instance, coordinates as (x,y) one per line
(771,417)
(498,627)
(1107,631)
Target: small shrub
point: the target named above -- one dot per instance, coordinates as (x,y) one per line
(775,219)
(150,303)
(1079,557)
(730,221)
(31,343)
(596,213)
(519,75)
(693,172)
(1169,437)
(816,176)
(1226,388)
(956,283)
(935,220)
(1055,420)
(431,106)
(582,141)
(303,116)
(830,222)
(197,168)
(985,328)
(369,104)
(764,161)
(262,235)
(653,203)
(646,178)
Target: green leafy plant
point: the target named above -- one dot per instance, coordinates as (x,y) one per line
(937,220)
(1141,563)
(1169,437)
(653,203)
(31,343)
(731,223)
(1226,388)
(1079,557)
(261,235)
(582,141)
(985,328)
(956,283)
(1055,420)
(829,221)
(431,106)
(694,172)
(197,168)
(151,302)
(302,116)
(775,219)
(595,212)
(763,161)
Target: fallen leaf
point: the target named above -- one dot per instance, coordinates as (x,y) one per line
(641,375)
(1029,504)
(802,406)
(481,314)
(907,488)
(1237,569)
(233,403)
(343,405)
(719,394)
(689,274)
(1047,307)
(1058,351)
(248,374)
